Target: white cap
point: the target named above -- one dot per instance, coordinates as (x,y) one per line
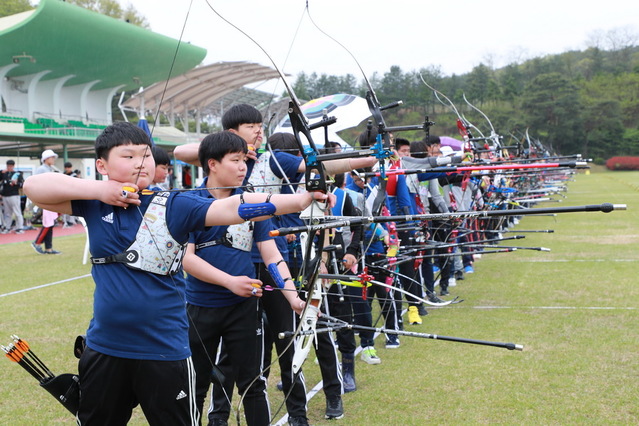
(48,153)
(446,150)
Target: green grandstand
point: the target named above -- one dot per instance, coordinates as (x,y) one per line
(60,67)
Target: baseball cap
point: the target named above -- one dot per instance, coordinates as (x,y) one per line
(48,153)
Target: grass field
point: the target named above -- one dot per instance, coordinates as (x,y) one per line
(575,309)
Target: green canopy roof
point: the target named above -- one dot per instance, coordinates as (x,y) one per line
(68,40)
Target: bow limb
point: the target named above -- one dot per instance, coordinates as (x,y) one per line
(428,302)
(364,279)
(307,335)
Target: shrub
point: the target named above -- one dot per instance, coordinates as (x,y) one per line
(623,163)
(599,161)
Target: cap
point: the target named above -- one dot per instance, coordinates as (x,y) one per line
(48,153)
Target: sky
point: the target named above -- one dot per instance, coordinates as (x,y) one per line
(412,34)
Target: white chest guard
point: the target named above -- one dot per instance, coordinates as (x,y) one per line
(263,175)
(412,183)
(154,249)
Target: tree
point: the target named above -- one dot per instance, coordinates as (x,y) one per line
(603,129)
(481,85)
(512,83)
(113,9)
(302,86)
(424,95)
(11,7)
(552,105)
(395,85)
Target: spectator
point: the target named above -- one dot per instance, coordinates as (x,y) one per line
(68,170)
(11,181)
(45,236)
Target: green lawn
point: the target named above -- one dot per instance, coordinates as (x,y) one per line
(575,309)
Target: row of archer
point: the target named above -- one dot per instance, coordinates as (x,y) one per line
(246,284)
(392,255)
(352,252)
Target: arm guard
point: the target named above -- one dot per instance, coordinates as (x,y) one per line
(275,274)
(249,211)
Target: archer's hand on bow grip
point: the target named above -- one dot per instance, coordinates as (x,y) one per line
(119,194)
(329,198)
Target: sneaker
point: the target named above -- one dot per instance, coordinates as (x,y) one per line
(298,421)
(279,386)
(4,231)
(421,310)
(413,316)
(219,422)
(392,341)
(20,231)
(444,292)
(369,356)
(334,407)
(469,270)
(52,252)
(435,270)
(433,298)
(452,282)
(459,275)
(37,248)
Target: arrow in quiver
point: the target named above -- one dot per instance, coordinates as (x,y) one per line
(65,388)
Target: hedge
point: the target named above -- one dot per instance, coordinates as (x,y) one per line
(623,163)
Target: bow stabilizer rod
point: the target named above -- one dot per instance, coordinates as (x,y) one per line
(509,346)
(353,221)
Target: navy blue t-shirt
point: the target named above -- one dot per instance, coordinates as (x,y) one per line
(137,314)
(233,261)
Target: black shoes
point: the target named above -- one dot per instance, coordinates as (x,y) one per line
(421,310)
(433,298)
(334,407)
(298,421)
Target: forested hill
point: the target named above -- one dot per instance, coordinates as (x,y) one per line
(583,102)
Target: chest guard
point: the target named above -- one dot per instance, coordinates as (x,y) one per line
(237,236)
(154,249)
(262,174)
